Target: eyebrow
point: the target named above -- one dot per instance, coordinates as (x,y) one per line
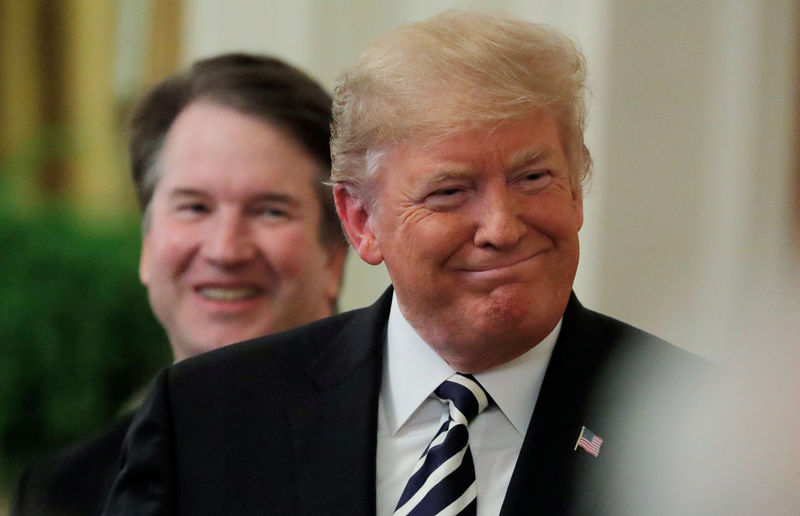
(279,197)
(529,157)
(519,160)
(446,174)
(186,192)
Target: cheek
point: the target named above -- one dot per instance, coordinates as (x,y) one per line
(557,216)
(292,250)
(429,242)
(572,221)
(169,249)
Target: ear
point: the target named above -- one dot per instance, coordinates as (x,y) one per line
(356,221)
(144,262)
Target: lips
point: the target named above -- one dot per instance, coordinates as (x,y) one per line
(229,294)
(495,265)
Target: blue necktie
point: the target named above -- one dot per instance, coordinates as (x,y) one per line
(443,480)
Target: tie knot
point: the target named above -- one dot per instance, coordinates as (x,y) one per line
(466,396)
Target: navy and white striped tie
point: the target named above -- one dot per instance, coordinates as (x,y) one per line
(443,480)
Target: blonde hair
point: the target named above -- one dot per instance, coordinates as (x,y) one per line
(456,70)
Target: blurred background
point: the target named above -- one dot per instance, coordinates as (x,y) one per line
(692,214)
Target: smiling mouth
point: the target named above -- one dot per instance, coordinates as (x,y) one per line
(229,293)
(501,265)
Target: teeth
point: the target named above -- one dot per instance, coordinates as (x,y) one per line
(228,294)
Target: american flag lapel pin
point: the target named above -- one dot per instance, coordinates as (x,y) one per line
(589,441)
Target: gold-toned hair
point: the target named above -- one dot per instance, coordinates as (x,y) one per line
(453,71)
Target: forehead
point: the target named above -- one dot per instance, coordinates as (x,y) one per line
(492,145)
(216,148)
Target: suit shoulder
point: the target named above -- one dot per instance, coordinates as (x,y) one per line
(615,328)
(636,361)
(276,362)
(625,339)
(348,337)
(75,480)
(291,345)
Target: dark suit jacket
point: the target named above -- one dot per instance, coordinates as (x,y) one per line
(287,424)
(74,482)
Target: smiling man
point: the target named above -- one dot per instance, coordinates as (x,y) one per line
(479,231)
(234,245)
(240,235)
(478,384)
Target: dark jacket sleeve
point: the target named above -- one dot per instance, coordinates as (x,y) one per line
(146,482)
(76,480)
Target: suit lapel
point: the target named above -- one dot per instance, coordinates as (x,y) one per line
(334,417)
(547,464)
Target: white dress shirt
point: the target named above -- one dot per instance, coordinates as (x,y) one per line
(409,415)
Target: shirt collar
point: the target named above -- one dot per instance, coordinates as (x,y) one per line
(412,370)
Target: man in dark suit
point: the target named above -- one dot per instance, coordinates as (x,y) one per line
(477,384)
(240,234)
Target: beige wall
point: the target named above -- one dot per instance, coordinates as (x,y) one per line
(697,181)
(692,104)
(69,71)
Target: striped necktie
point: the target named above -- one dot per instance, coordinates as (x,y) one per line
(443,480)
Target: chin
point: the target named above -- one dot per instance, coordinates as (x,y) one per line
(507,305)
(204,347)
(222,339)
(516,318)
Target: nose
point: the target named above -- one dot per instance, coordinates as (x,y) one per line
(228,241)
(500,225)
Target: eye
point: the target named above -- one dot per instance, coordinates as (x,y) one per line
(275,213)
(271,211)
(535,180)
(534,176)
(193,209)
(197,207)
(447,192)
(446,198)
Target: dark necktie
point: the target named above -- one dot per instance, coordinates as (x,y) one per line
(443,480)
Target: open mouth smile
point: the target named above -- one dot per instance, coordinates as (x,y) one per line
(229,294)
